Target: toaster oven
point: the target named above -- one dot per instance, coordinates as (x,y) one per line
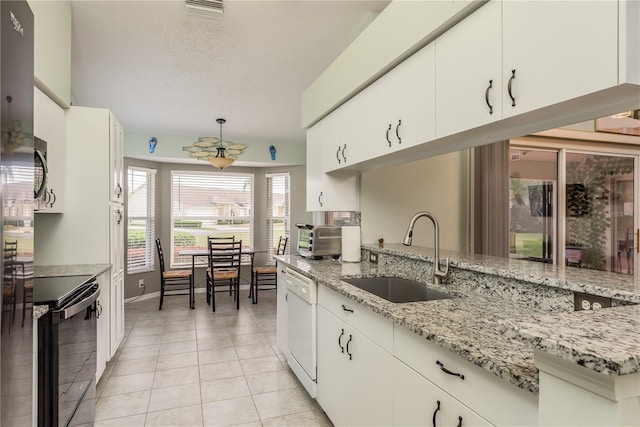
(318,241)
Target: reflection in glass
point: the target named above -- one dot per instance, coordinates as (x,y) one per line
(532,195)
(599,212)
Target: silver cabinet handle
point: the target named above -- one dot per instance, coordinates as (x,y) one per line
(344,150)
(340,341)
(338,155)
(119,212)
(320,199)
(398,134)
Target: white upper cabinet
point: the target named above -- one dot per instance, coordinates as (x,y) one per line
(414,94)
(510,58)
(554,51)
(116,160)
(469,72)
(49,125)
(327,192)
(394,112)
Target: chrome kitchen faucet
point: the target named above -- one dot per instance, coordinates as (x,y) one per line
(438,275)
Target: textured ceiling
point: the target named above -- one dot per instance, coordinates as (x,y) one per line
(164,72)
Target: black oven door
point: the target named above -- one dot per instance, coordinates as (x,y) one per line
(70,390)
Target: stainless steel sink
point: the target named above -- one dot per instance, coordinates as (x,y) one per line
(395,289)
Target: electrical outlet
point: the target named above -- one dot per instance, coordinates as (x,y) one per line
(141,283)
(373,257)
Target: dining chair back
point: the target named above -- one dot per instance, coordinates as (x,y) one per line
(225,260)
(266,277)
(173,282)
(9,283)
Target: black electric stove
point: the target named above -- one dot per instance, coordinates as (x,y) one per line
(67,344)
(55,291)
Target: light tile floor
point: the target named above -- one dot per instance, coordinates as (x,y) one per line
(183,367)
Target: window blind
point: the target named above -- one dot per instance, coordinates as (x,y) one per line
(209,204)
(278,211)
(141,218)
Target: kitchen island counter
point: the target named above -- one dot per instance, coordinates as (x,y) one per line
(466,325)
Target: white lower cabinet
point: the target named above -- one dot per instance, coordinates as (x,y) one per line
(354,375)
(480,393)
(419,402)
(104,342)
(281,315)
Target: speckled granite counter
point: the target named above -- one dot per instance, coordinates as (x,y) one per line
(70,270)
(606,341)
(467,326)
(621,287)
(39,311)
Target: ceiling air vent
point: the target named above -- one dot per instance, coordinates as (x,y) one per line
(206,8)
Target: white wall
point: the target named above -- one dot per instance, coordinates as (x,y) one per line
(52,49)
(390,197)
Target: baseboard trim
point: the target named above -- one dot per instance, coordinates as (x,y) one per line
(156,294)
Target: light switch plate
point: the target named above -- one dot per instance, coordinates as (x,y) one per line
(373,257)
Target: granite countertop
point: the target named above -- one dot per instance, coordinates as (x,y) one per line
(606,340)
(70,270)
(622,287)
(468,325)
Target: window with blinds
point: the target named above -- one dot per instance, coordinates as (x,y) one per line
(278,209)
(209,204)
(141,219)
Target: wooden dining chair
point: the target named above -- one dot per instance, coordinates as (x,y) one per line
(213,240)
(9,283)
(224,270)
(27,288)
(266,277)
(173,282)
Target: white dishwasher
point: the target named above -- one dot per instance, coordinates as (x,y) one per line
(301,328)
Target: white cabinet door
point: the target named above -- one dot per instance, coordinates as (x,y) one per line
(315,167)
(49,125)
(117,277)
(415,98)
(281,308)
(415,399)
(469,72)
(116,160)
(554,51)
(376,104)
(369,381)
(419,402)
(327,192)
(103,324)
(332,366)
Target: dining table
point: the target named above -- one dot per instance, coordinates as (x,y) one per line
(200,254)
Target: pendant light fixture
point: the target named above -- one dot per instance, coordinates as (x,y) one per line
(220,161)
(219,153)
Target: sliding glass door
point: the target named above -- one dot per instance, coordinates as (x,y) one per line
(572,207)
(600,211)
(533,178)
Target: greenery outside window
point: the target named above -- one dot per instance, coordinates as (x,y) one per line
(203,204)
(141,218)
